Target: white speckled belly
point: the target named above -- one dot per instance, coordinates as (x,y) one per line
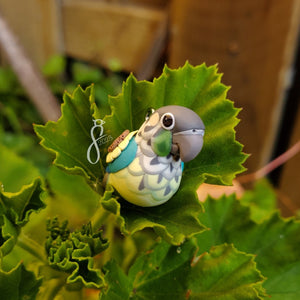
(148,181)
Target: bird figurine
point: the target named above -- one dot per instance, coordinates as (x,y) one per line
(145,166)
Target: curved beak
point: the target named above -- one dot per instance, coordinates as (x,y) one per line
(190,143)
(188,132)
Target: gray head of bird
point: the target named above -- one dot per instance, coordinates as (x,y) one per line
(174,130)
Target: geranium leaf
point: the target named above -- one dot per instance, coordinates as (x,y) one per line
(225,273)
(8,235)
(20,188)
(15,209)
(69,138)
(63,190)
(274,241)
(70,190)
(15,171)
(73,253)
(18,206)
(119,286)
(19,283)
(198,88)
(261,200)
(174,220)
(161,272)
(170,272)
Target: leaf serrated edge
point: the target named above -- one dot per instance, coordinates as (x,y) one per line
(258,288)
(77,170)
(108,198)
(34,185)
(21,268)
(161,230)
(75,277)
(218,178)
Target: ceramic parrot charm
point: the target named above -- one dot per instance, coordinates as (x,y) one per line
(145,166)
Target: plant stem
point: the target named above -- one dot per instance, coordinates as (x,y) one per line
(32,247)
(109,234)
(52,287)
(281,159)
(99,217)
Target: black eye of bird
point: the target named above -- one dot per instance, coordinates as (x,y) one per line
(149,112)
(168,121)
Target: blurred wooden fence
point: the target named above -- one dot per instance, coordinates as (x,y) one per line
(253,41)
(103,32)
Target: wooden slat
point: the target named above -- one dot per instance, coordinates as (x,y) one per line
(253,41)
(149,3)
(36,25)
(105,32)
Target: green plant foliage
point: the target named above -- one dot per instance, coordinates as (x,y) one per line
(73,253)
(71,191)
(19,284)
(261,200)
(170,272)
(19,197)
(84,74)
(194,87)
(69,138)
(15,171)
(119,286)
(8,234)
(274,241)
(198,88)
(68,197)
(18,206)
(225,273)
(15,209)
(223,249)
(26,146)
(168,221)
(104,84)
(8,80)
(54,67)
(16,112)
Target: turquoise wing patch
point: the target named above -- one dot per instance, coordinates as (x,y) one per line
(124,159)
